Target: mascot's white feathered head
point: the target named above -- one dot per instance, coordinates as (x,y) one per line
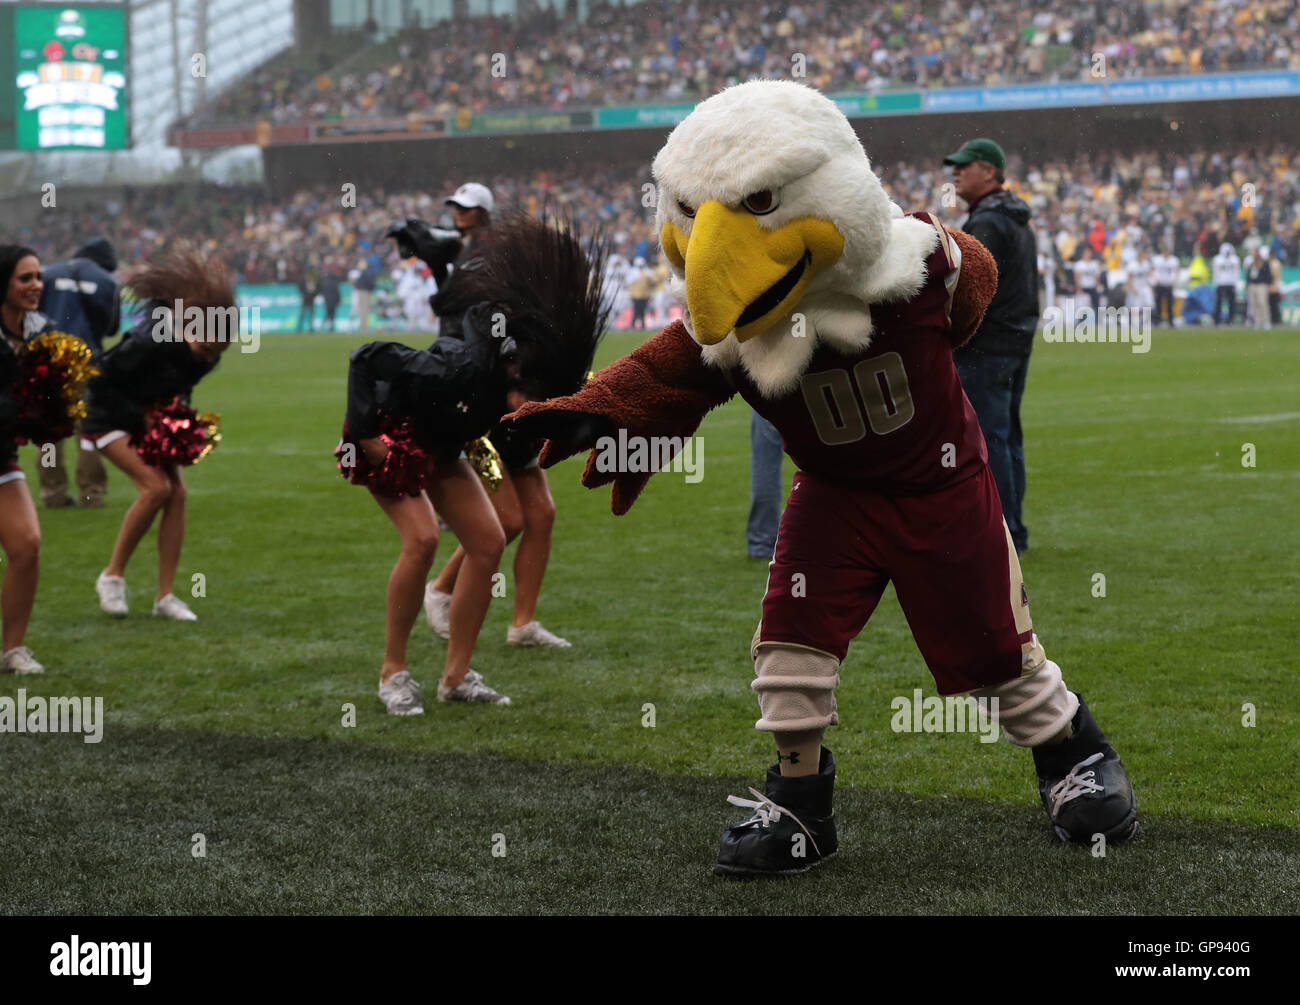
(775,226)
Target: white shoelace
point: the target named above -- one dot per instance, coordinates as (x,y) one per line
(1075,783)
(769,812)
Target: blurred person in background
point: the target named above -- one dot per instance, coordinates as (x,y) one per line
(1227,271)
(994,364)
(1046,273)
(82,298)
(640,284)
(1165,275)
(1065,290)
(363,286)
(1274,286)
(330,292)
(766,455)
(1087,277)
(1258,276)
(614,284)
(1139,296)
(413,280)
(308,287)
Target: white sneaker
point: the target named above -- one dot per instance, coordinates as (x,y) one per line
(533,634)
(20,661)
(401,695)
(437,608)
(472,688)
(172,606)
(112,594)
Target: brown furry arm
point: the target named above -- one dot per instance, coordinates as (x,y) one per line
(975,287)
(663,389)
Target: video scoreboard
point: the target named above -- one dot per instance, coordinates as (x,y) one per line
(64,77)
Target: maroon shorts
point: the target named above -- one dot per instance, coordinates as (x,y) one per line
(947,553)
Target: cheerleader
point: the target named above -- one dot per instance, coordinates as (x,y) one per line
(156,362)
(523,502)
(521,325)
(524,506)
(20,531)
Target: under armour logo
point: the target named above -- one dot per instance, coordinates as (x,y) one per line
(462,406)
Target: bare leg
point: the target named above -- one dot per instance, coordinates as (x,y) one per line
(535,545)
(446,581)
(506,502)
(799,753)
(418,528)
(20,537)
(171,534)
(155,490)
(463,503)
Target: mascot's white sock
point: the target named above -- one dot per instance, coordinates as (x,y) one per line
(795,687)
(1035,706)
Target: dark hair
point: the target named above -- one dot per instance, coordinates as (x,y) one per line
(10,256)
(538,274)
(184,274)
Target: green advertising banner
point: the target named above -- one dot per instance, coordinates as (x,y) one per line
(486,123)
(641,116)
(70,67)
(891,103)
(277,307)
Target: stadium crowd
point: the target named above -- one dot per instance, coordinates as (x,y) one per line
(1187,205)
(683,52)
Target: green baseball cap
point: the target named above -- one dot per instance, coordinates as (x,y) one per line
(979,150)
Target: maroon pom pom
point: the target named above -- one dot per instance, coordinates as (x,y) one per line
(176,436)
(405,471)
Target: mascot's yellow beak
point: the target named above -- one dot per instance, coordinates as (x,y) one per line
(739,274)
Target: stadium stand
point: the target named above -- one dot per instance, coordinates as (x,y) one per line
(626,55)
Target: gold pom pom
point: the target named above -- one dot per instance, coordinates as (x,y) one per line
(71,352)
(487,462)
(213,435)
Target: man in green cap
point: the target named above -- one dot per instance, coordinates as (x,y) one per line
(994,363)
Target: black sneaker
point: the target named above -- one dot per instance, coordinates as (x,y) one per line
(1084,786)
(791,829)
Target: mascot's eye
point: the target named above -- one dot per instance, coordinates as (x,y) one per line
(760,203)
(687,211)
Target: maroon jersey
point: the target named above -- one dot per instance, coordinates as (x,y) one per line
(892,418)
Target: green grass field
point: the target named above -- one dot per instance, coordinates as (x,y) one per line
(232,727)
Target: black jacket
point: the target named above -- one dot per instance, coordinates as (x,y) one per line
(138,373)
(464,262)
(81,295)
(1000,222)
(454,390)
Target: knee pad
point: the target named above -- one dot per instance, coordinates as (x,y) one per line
(1036,705)
(796,688)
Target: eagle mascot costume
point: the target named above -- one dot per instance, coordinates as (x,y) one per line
(834,315)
